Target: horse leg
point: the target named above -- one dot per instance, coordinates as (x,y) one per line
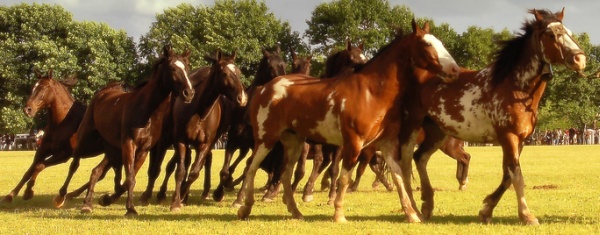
(307,195)
(511,148)
(334,170)
(363,160)
(350,152)
(274,164)
(161,196)
(293,145)
(180,151)
(59,200)
(207,168)
(389,148)
(97,172)
(247,190)
(300,167)
(157,155)
(224,174)
(240,196)
(129,162)
(230,183)
(433,140)
(201,155)
(462,167)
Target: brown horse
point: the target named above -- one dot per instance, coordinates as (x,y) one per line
(198,123)
(354,111)
(137,116)
(65,115)
(498,104)
(239,135)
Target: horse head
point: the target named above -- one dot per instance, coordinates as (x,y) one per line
(299,64)
(271,66)
(44,91)
(556,42)
(178,72)
(429,53)
(344,60)
(355,53)
(227,77)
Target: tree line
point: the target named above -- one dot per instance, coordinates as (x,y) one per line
(40,37)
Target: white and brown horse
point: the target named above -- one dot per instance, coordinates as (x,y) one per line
(359,109)
(498,104)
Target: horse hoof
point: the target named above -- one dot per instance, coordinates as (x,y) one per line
(175,209)
(28,194)
(330,202)
(161,197)
(229,189)
(308,198)
(86,209)
(59,201)
(218,196)
(144,199)
(462,188)
(243,213)
(131,213)
(413,218)
(339,219)
(105,200)
(532,222)
(484,218)
(7,199)
(267,199)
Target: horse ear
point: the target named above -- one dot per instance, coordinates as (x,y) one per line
(218,54)
(38,74)
(50,73)
(414,25)
(167,50)
(348,44)
(70,81)
(560,15)
(187,54)
(265,52)
(426,26)
(293,53)
(233,55)
(538,16)
(278,50)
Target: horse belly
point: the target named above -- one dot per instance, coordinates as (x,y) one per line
(473,126)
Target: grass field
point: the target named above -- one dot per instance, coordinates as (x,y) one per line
(562,188)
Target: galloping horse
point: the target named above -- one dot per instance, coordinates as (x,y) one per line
(498,104)
(239,135)
(354,111)
(137,116)
(198,123)
(65,115)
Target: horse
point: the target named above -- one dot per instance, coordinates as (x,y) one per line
(239,134)
(65,115)
(198,123)
(293,108)
(137,115)
(498,104)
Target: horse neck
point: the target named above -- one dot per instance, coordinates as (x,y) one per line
(206,95)
(149,97)
(389,71)
(60,105)
(263,74)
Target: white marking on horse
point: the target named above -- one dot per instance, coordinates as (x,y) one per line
(363,57)
(446,60)
(231,67)
(261,117)
(180,65)
(280,88)
(565,40)
(329,127)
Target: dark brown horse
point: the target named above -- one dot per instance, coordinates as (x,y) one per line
(129,124)
(65,115)
(498,104)
(357,110)
(198,123)
(239,135)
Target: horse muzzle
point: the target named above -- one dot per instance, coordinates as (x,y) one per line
(29,111)
(188,95)
(576,62)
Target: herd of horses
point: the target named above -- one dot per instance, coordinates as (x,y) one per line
(410,94)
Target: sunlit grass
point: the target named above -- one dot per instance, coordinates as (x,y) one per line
(562,188)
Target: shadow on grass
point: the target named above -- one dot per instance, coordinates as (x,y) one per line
(45,202)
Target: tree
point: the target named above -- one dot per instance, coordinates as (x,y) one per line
(370,21)
(42,37)
(245,26)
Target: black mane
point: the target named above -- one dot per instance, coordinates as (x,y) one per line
(507,58)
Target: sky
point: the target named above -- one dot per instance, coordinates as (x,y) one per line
(136,16)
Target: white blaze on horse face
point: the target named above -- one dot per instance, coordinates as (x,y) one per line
(566,40)
(446,60)
(363,57)
(280,88)
(231,67)
(181,66)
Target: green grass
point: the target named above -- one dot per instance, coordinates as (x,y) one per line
(570,205)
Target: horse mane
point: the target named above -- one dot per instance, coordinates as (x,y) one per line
(397,37)
(507,58)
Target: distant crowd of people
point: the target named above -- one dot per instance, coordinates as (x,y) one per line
(569,136)
(29,141)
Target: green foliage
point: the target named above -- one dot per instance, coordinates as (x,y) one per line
(43,37)
(244,26)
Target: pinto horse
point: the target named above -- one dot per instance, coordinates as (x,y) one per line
(498,104)
(239,135)
(357,110)
(129,123)
(65,115)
